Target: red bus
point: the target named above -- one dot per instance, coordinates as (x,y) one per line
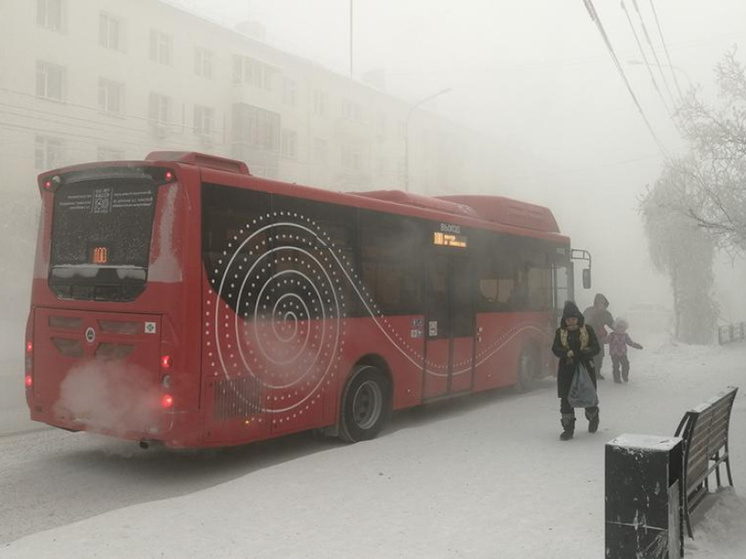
(182,300)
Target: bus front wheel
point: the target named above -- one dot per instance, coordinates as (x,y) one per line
(366,405)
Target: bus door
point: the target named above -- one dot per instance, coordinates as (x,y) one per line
(449,326)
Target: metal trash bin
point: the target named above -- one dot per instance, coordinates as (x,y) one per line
(644,481)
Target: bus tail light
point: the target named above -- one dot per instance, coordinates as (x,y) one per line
(161,175)
(51,184)
(28,380)
(166,362)
(167,401)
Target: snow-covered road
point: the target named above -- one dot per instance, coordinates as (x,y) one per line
(480,477)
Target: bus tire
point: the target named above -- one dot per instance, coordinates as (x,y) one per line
(528,369)
(366,404)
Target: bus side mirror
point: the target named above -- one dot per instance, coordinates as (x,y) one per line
(587,278)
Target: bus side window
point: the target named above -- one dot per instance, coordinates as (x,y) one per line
(390,259)
(228,232)
(488,291)
(333,245)
(492,290)
(540,288)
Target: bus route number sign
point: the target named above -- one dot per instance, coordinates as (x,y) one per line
(449,236)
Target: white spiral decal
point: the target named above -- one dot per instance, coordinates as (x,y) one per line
(275,322)
(279,311)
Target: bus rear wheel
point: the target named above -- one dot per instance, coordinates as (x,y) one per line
(366,405)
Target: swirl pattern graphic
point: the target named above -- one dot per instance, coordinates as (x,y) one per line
(275,323)
(279,311)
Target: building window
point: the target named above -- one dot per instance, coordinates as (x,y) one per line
(320,148)
(106,153)
(381,167)
(290,92)
(319,102)
(352,110)
(203,62)
(161,45)
(50,81)
(352,158)
(204,118)
(110,32)
(290,143)
(159,109)
(381,126)
(50,14)
(253,72)
(110,96)
(47,153)
(256,127)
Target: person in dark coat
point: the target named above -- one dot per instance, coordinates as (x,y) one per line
(598,317)
(574,341)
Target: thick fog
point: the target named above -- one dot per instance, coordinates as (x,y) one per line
(537,80)
(568,104)
(532,84)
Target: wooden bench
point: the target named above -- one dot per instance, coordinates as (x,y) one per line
(704,430)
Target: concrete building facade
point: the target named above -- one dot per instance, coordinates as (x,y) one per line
(87,80)
(103,79)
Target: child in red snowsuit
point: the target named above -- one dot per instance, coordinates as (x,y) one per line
(618,341)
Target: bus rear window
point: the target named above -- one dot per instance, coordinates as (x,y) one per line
(101,232)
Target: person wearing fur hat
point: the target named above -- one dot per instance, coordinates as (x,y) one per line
(574,342)
(618,341)
(599,318)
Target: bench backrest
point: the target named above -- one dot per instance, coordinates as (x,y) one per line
(705,432)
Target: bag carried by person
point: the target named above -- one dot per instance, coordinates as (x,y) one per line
(582,392)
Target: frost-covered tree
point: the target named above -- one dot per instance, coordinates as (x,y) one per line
(717,136)
(699,202)
(682,249)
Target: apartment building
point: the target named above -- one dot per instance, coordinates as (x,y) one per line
(85,80)
(88,80)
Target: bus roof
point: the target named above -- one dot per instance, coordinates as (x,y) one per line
(200,160)
(499,210)
(494,209)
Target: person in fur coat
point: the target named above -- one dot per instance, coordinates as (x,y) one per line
(574,342)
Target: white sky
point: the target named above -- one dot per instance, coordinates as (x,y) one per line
(537,76)
(481,478)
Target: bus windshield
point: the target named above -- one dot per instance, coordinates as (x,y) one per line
(101,233)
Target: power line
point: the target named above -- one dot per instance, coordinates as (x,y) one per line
(594,16)
(652,49)
(665,48)
(121,116)
(85,138)
(71,121)
(645,59)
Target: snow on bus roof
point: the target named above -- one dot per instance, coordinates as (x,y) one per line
(200,160)
(408,199)
(496,209)
(507,211)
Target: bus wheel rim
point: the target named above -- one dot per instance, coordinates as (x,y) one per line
(367,404)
